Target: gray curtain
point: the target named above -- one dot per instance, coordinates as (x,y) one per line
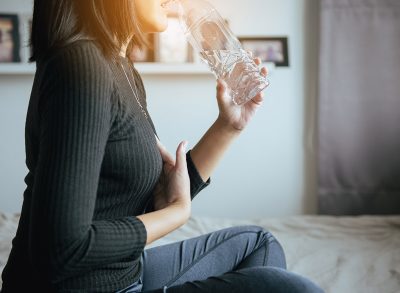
(359,107)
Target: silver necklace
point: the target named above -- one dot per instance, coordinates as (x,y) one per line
(134,93)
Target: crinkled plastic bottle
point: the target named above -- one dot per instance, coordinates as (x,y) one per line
(211,37)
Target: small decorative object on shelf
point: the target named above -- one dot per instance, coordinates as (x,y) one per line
(269,49)
(9,38)
(172,46)
(26,29)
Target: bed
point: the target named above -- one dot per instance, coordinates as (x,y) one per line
(341,254)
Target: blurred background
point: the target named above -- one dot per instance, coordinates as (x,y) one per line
(272,169)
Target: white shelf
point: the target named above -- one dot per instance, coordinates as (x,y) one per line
(143,68)
(183,68)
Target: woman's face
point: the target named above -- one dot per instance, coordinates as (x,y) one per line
(151,16)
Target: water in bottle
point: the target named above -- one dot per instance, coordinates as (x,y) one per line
(218,47)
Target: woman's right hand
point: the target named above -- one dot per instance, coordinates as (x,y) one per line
(171,197)
(173,187)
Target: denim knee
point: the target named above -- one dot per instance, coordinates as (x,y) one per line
(273,251)
(276,254)
(277,280)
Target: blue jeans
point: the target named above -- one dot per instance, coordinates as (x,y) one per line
(238,259)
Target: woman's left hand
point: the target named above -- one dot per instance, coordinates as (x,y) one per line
(232,115)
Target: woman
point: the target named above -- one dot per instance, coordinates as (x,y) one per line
(100,184)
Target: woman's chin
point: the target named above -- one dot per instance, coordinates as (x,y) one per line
(163,27)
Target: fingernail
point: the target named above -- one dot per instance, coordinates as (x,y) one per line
(184,145)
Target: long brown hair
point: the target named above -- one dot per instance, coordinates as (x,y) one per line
(57,23)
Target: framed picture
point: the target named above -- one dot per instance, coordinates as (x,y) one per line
(172,46)
(137,54)
(269,49)
(9,38)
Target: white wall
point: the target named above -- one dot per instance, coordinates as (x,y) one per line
(267,172)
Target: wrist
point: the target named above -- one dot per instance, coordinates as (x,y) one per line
(226,127)
(182,209)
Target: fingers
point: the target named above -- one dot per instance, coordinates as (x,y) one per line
(258,99)
(264,71)
(221,87)
(181,156)
(257,60)
(166,156)
(180,162)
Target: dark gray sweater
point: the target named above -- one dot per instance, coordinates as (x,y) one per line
(93,162)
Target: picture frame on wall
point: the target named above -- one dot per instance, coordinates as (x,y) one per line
(10,43)
(268,49)
(142,54)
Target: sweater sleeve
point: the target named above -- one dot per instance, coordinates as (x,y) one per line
(75,120)
(196,182)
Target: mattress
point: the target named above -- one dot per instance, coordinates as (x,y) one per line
(341,254)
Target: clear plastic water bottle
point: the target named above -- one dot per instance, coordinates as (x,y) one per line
(211,37)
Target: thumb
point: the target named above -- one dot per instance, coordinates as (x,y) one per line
(221,90)
(166,156)
(181,156)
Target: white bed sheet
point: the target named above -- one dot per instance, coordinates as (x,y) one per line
(341,254)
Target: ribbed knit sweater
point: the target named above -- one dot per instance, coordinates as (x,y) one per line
(93,163)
